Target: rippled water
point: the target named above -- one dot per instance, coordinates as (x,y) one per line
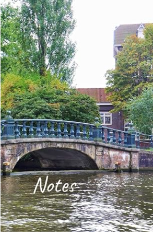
(100,202)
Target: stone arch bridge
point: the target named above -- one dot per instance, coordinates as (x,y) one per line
(46,144)
(57,154)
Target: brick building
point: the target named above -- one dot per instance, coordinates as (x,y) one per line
(112,120)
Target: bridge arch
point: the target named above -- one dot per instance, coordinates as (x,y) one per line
(55,159)
(80,153)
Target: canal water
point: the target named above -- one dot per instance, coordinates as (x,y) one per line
(93,201)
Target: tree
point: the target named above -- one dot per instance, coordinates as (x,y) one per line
(134,70)
(10,39)
(48,23)
(11,86)
(16,59)
(140,111)
(46,103)
(14,85)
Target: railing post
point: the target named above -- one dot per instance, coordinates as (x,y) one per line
(97,134)
(6,168)
(131,136)
(9,132)
(131,140)
(137,140)
(125,139)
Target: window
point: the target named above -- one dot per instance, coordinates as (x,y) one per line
(106,118)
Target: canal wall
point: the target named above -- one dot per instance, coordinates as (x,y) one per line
(145,160)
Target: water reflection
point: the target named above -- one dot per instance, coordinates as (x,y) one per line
(100,202)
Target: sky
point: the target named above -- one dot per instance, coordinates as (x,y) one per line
(94,31)
(94,34)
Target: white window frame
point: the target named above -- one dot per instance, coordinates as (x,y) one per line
(104,115)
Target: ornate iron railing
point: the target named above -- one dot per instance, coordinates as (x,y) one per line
(49,128)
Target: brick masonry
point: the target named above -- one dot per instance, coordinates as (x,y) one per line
(145,160)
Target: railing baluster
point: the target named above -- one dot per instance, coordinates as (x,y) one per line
(78,131)
(111,136)
(125,138)
(103,134)
(46,129)
(91,133)
(119,137)
(42,127)
(1,130)
(72,131)
(17,132)
(59,135)
(24,130)
(151,140)
(137,140)
(65,131)
(84,132)
(52,130)
(38,130)
(114,136)
(31,130)
(108,135)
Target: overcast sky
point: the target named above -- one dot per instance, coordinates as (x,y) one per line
(93,34)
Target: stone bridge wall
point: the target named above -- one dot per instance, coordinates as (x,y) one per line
(104,155)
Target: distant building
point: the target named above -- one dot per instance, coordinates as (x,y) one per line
(112,120)
(122,31)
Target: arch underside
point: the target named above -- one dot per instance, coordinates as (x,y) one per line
(55,159)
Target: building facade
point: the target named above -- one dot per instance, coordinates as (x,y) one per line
(111,120)
(122,31)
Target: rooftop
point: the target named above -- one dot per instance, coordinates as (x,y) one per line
(97,93)
(122,31)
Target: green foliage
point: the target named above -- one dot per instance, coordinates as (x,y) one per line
(12,85)
(46,103)
(134,70)
(10,39)
(78,107)
(37,63)
(140,111)
(50,22)
(35,39)
(45,97)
